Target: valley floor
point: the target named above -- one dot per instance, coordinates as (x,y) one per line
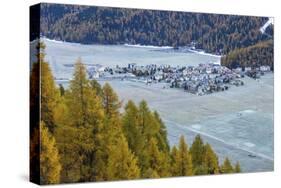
(237,123)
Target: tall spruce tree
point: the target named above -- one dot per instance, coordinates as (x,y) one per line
(50,166)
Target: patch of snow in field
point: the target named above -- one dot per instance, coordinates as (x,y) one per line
(196,126)
(249,144)
(248,111)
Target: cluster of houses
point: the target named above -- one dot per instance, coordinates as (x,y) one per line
(253,72)
(200,80)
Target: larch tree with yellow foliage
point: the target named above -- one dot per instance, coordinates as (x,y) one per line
(112,120)
(197,151)
(44,98)
(122,164)
(157,163)
(237,168)
(49,93)
(131,128)
(210,160)
(81,131)
(181,160)
(50,166)
(227,167)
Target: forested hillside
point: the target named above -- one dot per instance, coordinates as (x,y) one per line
(212,32)
(82,136)
(256,55)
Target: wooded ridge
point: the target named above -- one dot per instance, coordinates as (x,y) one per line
(215,33)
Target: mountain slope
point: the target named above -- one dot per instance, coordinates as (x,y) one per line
(88,24)
(256,55)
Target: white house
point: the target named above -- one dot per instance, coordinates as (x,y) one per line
(265,68)
(248,69)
